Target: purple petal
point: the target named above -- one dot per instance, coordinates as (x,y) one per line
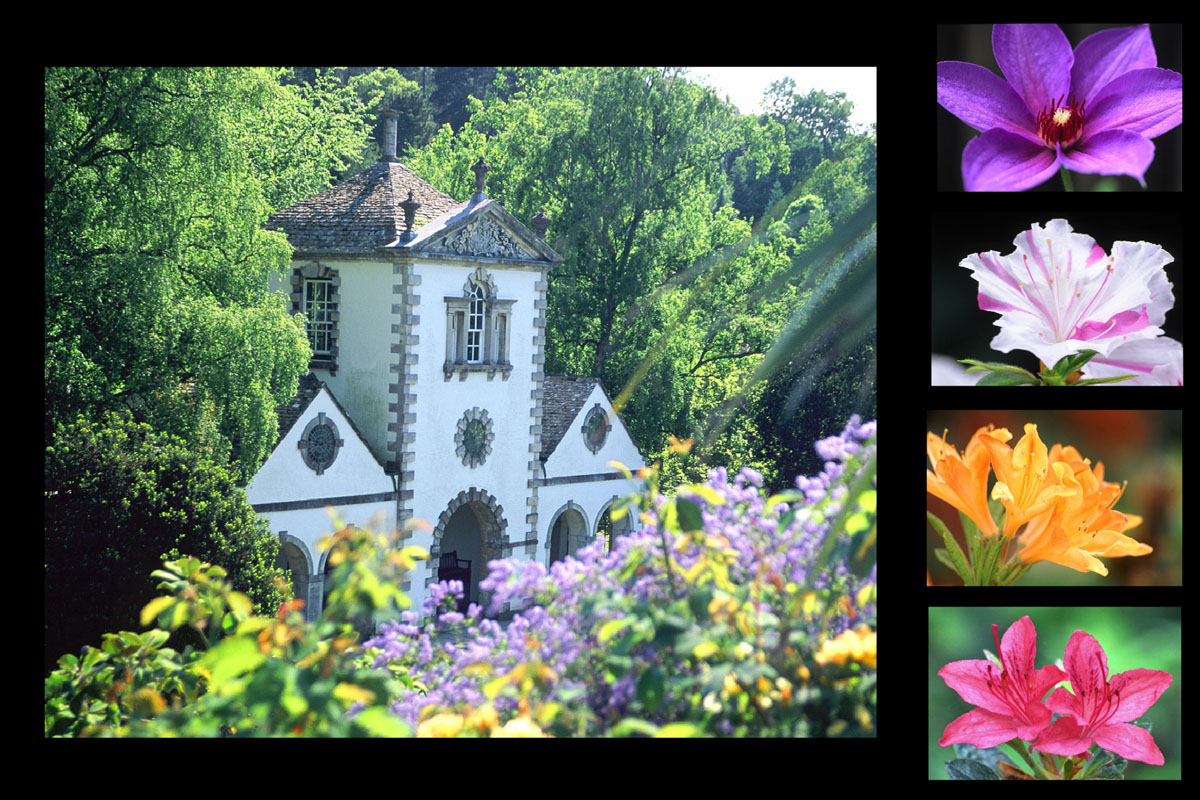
(1109,54)
(1036,60)
(981,99)
(1146,101)
(1112,152)
(1001,161)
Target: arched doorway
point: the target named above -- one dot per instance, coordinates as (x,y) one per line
(294,556)
(568,533)
(469,534)
(608,530)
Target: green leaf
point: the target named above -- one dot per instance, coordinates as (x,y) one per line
(1089,381)
(151,610)
(995,366)
(990,757)
(690,518)
(630,726)
(230,658)
(651,689)
(1068,364)
(612,628)
(965,769)
(380,722)
(679,730)
(1005,379)
(958,561)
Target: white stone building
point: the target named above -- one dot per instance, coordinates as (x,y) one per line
(426,396)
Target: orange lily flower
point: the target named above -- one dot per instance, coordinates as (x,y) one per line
(1083,526)
(962,481)
(1024,481)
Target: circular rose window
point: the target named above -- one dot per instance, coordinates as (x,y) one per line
(474,437)
(595,428)
(319,444)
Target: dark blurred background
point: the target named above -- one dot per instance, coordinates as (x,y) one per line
(1142,448)
(1132,638)
(961,330)
(973,43)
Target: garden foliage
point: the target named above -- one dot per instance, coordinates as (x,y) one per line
(120,499)
(727,614)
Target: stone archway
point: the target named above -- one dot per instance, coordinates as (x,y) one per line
(307,586)
(568,532)
(473,527)
(608,529)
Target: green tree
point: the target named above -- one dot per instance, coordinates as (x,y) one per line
(665,294)
(120,499)
(156,267)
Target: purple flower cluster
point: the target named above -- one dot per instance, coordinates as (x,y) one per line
(560,610)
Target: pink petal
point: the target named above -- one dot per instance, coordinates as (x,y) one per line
(1129,741)
(1121,324)
(1139,689)
(1061,701)
(980,728)
(981,99)
(1086,663)
(1036,60)
(1112,152)
(1108,54)
(1018,648)
(970,679)
(1063,738)
(1145,101)
(1001,161)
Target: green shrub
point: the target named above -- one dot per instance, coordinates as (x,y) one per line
(120,499)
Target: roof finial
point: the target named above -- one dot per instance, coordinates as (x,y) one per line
(540,223)
(481,171)
(410,207)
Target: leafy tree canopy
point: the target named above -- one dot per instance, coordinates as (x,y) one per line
(666,293)
(156,184)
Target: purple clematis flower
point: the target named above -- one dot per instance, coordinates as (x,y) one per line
(1092,109)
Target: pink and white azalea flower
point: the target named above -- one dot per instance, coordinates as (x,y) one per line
(1101,709)
(1009,697)
(1154,362)
(1059,292)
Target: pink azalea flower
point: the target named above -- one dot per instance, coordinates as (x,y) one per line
(1059,293)
(1101,709)
(1092,109)
(1009,698)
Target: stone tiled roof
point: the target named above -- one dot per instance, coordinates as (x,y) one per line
(361,213)
(562,397)
(291,411)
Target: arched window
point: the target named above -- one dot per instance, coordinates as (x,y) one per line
(476,314)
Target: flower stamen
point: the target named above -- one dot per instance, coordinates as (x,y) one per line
(1061,124)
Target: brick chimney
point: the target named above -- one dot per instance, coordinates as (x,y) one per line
(388,145)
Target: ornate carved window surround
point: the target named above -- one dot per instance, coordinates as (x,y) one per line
(478,330)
